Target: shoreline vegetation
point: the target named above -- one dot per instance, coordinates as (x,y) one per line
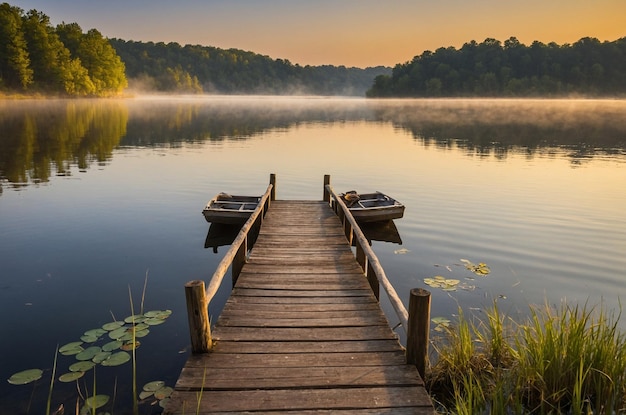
(560,360)
(511,69)
(37,60)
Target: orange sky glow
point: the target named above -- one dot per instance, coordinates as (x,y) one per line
(350,32)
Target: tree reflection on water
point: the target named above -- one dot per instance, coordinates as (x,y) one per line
(40,139)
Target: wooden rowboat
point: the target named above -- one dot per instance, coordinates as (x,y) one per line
(230,209)
(372,207)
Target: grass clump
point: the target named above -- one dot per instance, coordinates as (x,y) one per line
(570,360)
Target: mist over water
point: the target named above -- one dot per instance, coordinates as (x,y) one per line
(98,193)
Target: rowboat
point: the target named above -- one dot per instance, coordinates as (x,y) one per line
(230,209)
(372,207)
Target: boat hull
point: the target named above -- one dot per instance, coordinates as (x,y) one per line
(230,210)
(378,215)
(373,207)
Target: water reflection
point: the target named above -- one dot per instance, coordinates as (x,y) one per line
(498,127)
(224,234)
(384,231)
(39,139)
(220,234)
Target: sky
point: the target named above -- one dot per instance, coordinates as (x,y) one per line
(357,33)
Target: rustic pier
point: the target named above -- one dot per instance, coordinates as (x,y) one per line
(302,331)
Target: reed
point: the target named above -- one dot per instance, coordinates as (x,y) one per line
(54,373)
(569,360)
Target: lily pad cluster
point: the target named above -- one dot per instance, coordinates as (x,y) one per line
(452,284)
(107,346)
(478,269)
(157,390)
(446,284)
(441,323)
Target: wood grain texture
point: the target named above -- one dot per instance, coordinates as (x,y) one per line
(302,332)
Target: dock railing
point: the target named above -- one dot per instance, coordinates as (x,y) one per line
(415,321)
(198,296)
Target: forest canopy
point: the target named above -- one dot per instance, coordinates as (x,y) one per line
(491,68)
(195,69)
(36,57)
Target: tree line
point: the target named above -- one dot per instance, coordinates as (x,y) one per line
(195,68)
(491,68)
(37,57)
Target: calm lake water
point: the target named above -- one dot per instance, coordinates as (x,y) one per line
(98,197)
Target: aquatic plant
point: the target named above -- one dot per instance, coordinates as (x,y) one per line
(567,360)
(107,346)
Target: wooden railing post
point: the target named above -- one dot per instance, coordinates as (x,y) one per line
(198,315)
(361,258)
(273,183)
(373,280)
(326,197)
(418,328)
(239,260)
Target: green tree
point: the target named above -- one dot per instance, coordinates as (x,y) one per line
(105,68)
(513,69)
(49,58)
(15,71)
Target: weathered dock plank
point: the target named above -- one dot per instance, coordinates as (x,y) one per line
(301,332)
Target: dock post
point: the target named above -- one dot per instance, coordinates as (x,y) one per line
(373,280)
(418,328)
(198,315)
(239,260)
(326,197)
(273,183)
(361,258)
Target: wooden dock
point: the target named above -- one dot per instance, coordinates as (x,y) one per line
(302,331)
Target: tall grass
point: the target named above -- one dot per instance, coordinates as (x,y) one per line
(570,360)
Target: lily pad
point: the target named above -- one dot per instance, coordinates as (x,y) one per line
(447,284)
(158,314)
(112,325)
(81,366)
(97,401)
(153,386)
(118,333)
(441,323)
(141,326)
(145,394)
(130,346)
(71,348)
(116,359)
(25,376)
(101,357)
(155,321)
(142,333)
(113,345)
(480,269)
(89,339)
(163,393)
(128,336)
(71,376)
(137,318)
(95,332)
(88,353)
